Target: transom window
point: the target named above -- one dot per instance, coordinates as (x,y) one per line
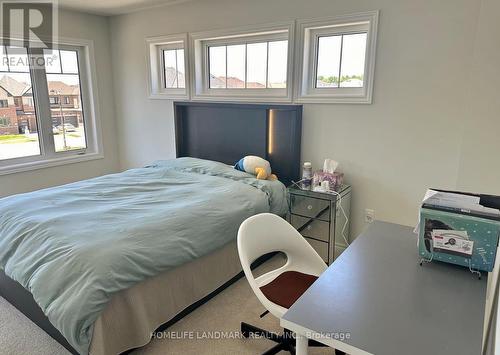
(247,64)
(168,63)
(332,61)
(337,59)
(261,65)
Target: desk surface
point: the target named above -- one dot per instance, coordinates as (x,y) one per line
(377,292)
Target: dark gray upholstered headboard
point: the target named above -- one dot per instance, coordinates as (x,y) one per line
(226,132)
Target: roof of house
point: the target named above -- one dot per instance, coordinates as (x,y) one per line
(216,82)
(16,88)
(233,82)
(60,88)
(3,94)
(172,75)
(255,85)
(13,87)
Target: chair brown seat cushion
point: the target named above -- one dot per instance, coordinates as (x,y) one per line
(287,287)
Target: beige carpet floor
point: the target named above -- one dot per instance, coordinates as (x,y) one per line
(221,316)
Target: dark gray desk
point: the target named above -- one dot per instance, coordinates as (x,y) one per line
(377,294)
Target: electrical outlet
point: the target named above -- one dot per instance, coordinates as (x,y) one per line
(369,215)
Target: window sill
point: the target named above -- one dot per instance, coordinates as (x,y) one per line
(313,99)
(241,98)
(168,96)
(48,163)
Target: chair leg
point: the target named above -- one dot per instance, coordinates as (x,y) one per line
(285,342)
(316,344)
(248,329)
(289,341)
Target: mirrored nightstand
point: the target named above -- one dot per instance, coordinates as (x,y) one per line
(318,217)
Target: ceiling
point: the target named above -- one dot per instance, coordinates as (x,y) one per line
(114,7)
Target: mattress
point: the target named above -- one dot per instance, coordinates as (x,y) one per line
(75,247)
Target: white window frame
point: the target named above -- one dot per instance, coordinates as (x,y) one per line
(89,95)
(156,83)
(200,42)
(305,71)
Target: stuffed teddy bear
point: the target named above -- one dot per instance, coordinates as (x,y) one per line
(256,166)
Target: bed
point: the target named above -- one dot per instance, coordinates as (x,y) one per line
(106,261)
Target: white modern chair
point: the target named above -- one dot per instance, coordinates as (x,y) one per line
(277,290)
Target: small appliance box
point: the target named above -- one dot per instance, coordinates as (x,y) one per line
(462,236)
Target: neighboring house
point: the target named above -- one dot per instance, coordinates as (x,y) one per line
(65,100)
(254,85)
(26,118)
(216,82)
(8,117)
(17,109)
(232,83)
(11,92)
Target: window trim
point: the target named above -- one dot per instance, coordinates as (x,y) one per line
(156,77)
(306,58)
(90,104)
(199,64)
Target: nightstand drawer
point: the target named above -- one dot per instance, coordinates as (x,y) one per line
(320,247)
(313,228)
(310,207)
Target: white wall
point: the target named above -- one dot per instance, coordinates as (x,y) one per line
(479,166)
(409,139)
(96,28)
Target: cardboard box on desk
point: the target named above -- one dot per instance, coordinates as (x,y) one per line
(458,237)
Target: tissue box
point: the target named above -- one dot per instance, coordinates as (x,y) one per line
(335,179)
(458,238)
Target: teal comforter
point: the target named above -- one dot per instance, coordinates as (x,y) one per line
(74,246)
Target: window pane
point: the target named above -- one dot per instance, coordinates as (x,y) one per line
(69,62)
(170,58)
(181,79)
(68,125)
(18,59)
(353,60)
(256,65)
(3,59)
(52,61)
(217,59)
(328,61)
(277,65)
(18,120)
(236,66)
